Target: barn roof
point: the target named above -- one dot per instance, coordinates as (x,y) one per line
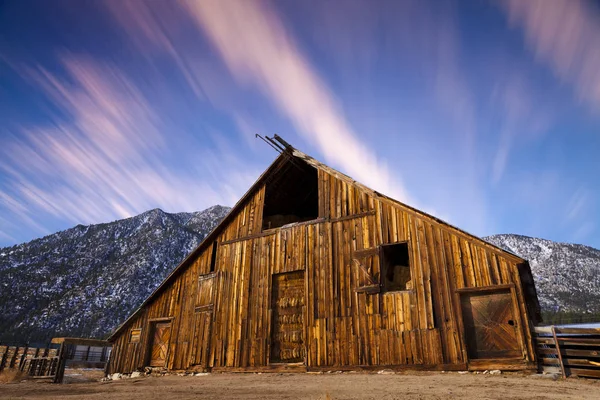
(289,154)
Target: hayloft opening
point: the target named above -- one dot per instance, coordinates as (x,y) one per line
(395,267)
(291,195)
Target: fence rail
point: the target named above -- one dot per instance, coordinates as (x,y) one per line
(50,362)
(569,351)
(37,362)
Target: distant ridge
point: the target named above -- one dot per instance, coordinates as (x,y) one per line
(567,276)
(85,280)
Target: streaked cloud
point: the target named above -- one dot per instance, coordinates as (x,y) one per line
(564,34)
(259,52)
(523,117)
(157,103)
(106,158)
(577,204)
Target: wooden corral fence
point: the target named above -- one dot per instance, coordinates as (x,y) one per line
(84,353)
(50,362)
(37,362)
(569,351)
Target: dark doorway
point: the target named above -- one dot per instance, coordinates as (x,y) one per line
(291,195)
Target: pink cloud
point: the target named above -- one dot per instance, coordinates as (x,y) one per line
(105,160)
(259,52)
(564,34)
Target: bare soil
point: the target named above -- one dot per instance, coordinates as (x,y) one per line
(409,385)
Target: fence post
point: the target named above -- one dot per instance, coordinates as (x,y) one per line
(23,358)
(107,366)
(60,367)
(562,366)
(11,363)
(3,358)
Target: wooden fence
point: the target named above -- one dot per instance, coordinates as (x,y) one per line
(50,362)
(569,351)
(37,362)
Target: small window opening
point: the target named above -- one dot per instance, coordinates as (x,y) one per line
(291,196)
(395,267)
(135,335)
(213,257)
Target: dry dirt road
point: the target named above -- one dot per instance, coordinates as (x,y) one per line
(311,386)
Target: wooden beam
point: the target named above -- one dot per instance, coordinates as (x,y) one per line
(562,366)
(81,341)
(486,288)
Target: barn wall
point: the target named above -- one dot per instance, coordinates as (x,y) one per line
(338,253)
(443,261)
(248,220)
(177,301)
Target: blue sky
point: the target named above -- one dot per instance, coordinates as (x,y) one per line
(483,113)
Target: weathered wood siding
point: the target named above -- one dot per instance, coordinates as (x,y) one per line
(339,253)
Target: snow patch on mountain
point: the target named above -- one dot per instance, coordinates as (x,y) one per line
(86,280)
(567,276)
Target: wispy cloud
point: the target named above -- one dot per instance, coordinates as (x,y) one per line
(523,117)
(564,34)
(106,158)
(577,204)
(259,52)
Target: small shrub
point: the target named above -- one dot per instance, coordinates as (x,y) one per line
(11,376)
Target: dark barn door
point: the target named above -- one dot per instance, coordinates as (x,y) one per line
(287,331)
(160,344)
(490,325)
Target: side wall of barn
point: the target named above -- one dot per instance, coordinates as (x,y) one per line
(343,326)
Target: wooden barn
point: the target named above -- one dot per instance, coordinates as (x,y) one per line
(312,270)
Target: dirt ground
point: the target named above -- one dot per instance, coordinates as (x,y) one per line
(412,385)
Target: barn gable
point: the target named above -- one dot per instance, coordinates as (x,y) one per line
(311,267)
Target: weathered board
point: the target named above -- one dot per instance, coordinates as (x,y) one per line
(201,347)
(223,300)
(570,351)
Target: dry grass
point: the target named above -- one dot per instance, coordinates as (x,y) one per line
(11,376)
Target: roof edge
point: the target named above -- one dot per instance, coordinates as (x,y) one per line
(208,239)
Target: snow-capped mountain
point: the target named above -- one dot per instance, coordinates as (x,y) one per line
(86,280)
(567,276)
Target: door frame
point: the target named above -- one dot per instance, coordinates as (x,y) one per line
(510,287)
(152,322)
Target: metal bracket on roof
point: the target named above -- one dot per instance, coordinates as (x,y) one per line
(270,142)
(283,142)
(277,143)
(282,147)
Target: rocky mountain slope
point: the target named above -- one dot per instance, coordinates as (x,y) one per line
(86,280)
(567,276)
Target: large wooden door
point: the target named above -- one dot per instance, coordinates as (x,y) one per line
(201,345)
(160,344)
(490,325)
(287,331)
